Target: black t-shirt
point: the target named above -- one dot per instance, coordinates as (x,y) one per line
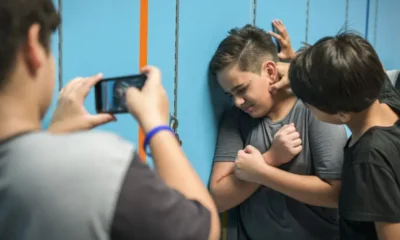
(371,178)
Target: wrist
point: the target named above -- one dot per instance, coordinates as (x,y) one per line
(263,174)
(148,125)
(268,158)
(153,133)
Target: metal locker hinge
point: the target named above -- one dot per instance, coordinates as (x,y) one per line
(173,123)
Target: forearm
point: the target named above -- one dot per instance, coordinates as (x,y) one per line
(387,231)
(231,191)
(177,172)
(268,159)
(307,189)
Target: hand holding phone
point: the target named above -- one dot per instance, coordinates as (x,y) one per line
(150,105)
(110,93)
(142,95)
(70,114)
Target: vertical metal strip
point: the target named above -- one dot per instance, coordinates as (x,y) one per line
(254,12)
(176,67)
(375,22)
(307,18)
(367,19)
(60,50)
(346,17)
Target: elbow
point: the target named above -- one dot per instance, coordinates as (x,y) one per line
(221,208)
(331,194)
(218,200)
(335,192)
(332,203)
(332,199)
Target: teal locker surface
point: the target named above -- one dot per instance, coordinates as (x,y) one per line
(291,12)
(102,36)
(326,18)
(203,25)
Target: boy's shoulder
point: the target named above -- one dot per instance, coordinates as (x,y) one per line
(379,146)
(81,150)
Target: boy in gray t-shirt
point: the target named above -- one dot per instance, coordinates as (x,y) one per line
(293,192)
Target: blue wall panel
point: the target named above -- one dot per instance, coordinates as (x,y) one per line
(54,49)
(327,18)
(102,36)
(161,44)
(203,24)
(387,41)
(357,16)
(294,19)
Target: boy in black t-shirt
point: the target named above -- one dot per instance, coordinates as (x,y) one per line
(342,81)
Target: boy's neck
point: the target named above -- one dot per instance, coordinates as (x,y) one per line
(378,114)
(284,103)
(17,116)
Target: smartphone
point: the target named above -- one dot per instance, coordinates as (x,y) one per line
(278,46)
(110,92)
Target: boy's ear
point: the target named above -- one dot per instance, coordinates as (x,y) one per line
(270,71)
(34,53)
(344,117)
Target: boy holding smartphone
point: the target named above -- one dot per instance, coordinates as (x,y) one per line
(71,183)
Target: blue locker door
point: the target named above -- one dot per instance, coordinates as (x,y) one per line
(102,36)
(357,16)
(203,24)
(384,32)
(326,18)
(291,12)
(161,44)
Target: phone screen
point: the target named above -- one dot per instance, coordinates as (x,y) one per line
(110,93)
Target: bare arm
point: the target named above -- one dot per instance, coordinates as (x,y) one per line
(326,142)
(308,189)
(169,160)
(388,231)
(228,190)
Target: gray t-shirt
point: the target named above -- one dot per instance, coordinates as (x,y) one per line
(269,214)
(89,185)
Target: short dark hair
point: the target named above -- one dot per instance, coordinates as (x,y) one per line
(338,74)
(16,17)
(247,46)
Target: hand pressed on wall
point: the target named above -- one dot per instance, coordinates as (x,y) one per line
(70,114)
(249,164)
(287,52)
